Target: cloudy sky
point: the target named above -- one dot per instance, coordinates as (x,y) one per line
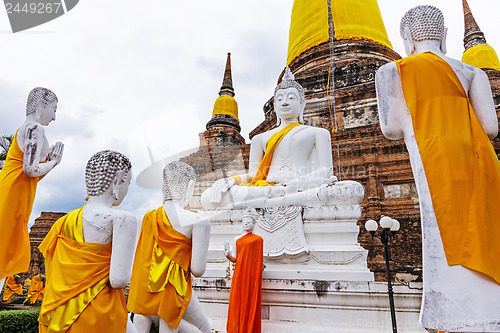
(135,73)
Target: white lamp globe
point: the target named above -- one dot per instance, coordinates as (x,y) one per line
(386,222)
(371,225)
(395,225)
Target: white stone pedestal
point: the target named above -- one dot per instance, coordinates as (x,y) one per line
(290,306)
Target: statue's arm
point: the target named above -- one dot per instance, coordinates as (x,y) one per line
(122,255)
(200,241)
(482,102)
(324,153)
(33,141)
(257,151)
(230,250)
(390,100)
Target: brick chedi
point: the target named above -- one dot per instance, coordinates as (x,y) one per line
(38,232)
(223,151)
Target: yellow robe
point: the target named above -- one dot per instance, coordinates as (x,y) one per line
(17,193)
(11,287)
(261,175)
(78,296)
(161,277)
(461,167)
(36,290)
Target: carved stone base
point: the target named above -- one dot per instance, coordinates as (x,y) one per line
(319,305)
(326,248)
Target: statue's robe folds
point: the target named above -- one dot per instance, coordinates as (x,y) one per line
(11,287)
(36,290)
(78,296)
(17,193)
(458,177)
(244,314)
(161,277)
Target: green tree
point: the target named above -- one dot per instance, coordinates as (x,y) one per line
(5,142)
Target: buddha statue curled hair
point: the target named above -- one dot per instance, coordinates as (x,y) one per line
(176,177)
(37,95)
(102,169)
(424,23)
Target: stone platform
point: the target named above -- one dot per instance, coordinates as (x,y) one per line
(290,306)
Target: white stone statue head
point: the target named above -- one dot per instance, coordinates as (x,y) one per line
(108,170)
(42,102)
(289,98)
(248,221)
(422,23)
(178,182)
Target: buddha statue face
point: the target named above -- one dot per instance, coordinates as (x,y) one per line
(288,104)
(248,224)
(122,190)
(46,113)
(289,99)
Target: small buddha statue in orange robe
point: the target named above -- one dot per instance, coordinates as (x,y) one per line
(244,314)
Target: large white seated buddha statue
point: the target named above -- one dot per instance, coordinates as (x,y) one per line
(289,165)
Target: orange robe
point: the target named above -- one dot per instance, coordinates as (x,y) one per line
(161,277)
(17,193)
(461,167)
(11,287)
(36,290)
(78,296)
(244,313)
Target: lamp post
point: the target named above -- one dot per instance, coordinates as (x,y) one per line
(389,228)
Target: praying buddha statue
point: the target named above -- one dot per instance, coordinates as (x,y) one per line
(287,164)
(444,111)
(89,253)
(29,159)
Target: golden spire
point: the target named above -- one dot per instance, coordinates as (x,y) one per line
(225,105)
(477,52)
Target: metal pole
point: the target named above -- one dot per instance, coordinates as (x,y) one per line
(384,237)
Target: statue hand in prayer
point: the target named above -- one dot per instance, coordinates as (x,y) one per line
(56,152)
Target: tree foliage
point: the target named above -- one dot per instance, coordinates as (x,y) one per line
(5,142)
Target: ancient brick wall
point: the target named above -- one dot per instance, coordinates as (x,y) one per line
(38,231)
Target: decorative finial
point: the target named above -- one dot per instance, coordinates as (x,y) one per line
(472,35)
(227,82)
(288,81)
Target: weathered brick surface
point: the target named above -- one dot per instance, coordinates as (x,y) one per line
(38,231)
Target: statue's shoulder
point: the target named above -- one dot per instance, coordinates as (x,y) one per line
(195,219)
(389,68)
(316,130)
(122,215)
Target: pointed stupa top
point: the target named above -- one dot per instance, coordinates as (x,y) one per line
(225,111)
(227,82)
(311,19)
(473,35)
(477,52)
